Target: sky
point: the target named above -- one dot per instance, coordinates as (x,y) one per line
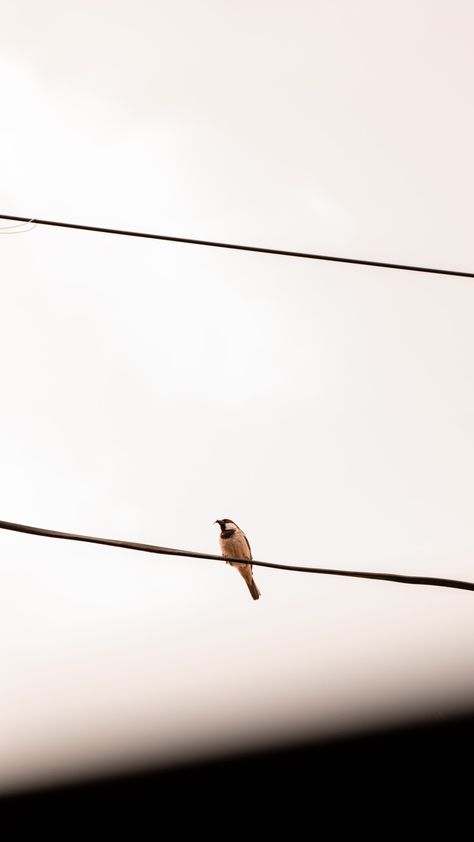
(149,388)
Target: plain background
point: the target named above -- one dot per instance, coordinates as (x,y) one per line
(150,388)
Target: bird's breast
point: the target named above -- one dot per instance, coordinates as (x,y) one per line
(235,546)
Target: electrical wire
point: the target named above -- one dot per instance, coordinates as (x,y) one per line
(236,247)
(325,571)
(7,229)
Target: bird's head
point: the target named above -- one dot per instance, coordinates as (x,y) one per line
(225,523)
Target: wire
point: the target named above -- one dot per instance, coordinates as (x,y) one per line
(7,229)
(151,548)
(17,225)
(258,249)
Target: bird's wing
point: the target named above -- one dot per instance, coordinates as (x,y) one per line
(248,545)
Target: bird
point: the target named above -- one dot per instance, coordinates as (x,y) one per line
(234,544)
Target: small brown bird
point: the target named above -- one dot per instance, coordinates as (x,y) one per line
(234,544)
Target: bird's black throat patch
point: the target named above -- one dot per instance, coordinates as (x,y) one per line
(227,533)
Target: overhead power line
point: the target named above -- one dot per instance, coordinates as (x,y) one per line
(325,571)
(19,228)
(236,247)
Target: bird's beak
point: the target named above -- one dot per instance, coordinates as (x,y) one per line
(219,522)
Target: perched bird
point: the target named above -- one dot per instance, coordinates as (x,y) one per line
(234,544)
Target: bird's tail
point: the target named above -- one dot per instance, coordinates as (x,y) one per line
(252,587)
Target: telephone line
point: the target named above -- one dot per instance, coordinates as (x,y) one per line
(325,571)
(236,247)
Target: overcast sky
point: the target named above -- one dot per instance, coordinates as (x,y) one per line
(150,388)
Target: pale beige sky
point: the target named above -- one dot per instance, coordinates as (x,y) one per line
(150,388)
